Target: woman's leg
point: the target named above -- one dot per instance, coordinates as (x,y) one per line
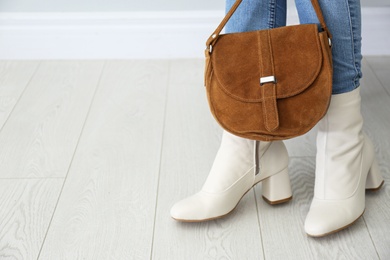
(254,15)
(241,163)
(343,19)
(345,162)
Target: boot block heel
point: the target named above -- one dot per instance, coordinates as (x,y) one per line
(374,178)
(277,188)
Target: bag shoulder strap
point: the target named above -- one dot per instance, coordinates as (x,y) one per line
(320,17)
(213,38)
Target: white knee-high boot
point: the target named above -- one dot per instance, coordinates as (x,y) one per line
(345,167)
(240,164)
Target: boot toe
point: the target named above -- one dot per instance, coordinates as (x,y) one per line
(191,209)
(327,218)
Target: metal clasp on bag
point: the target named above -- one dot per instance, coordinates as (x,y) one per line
(330,42)
(269,79)
(210,48)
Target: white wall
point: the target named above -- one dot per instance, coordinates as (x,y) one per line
(127,29)
(127,5)
(108,5)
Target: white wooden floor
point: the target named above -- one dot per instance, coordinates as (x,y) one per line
(94,153)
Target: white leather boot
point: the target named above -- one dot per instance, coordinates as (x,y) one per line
(233,174)
(345,167)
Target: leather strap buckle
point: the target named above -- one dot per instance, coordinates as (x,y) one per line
(269,79)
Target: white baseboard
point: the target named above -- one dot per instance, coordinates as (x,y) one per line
(105,35)
(138,35)
(375,31)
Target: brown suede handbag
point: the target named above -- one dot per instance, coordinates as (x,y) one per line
(270,84)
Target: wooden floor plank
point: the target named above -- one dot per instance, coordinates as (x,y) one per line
(107,208)
(191,139)
(26,207)
(14,77)
(380,66)
(41,134)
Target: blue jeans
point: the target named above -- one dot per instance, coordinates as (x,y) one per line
(343,18)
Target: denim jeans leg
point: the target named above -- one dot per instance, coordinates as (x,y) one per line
(254,15)
(343,18)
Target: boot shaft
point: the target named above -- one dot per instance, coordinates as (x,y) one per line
(341,147)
